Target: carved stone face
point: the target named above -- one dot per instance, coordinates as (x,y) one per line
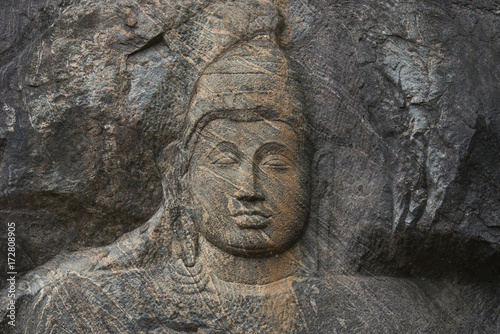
(250,183)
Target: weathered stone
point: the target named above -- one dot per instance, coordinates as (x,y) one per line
(376,207)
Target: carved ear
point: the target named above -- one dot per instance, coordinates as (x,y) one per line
(172,165)
(167,166)
(322,171)
(187,237)
(322,179)
(188,274)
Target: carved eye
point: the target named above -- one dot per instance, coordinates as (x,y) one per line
(225,154)
(276,161)
(224,159)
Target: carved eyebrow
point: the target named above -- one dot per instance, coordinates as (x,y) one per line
(274,148)
(224,146)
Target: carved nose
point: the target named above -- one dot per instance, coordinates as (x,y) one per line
(249,195)
(249,190)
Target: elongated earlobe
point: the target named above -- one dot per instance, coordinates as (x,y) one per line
(189,238)
(188,273)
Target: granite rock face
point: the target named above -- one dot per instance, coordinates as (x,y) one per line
(389,206)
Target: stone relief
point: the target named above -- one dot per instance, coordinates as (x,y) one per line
(239,191)
(242,240)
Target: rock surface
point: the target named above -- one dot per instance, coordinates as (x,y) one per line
(403,99)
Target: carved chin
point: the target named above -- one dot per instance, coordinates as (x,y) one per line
(254,243)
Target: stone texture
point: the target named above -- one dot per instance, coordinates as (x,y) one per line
(403,103)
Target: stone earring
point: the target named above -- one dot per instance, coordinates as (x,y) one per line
(188,273)
(188,238)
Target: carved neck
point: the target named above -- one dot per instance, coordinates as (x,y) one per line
(245,270)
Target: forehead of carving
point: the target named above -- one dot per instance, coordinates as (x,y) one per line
(247,135)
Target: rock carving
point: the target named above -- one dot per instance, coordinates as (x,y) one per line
(284,209)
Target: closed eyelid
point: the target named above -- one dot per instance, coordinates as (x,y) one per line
(277,158)
(223,147)
(269,150)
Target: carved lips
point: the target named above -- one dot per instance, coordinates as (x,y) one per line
(251,219)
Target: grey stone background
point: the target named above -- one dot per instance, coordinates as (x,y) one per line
(403,96)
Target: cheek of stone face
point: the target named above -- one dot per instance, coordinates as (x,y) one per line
(283,188)
(288,199)
(210,190)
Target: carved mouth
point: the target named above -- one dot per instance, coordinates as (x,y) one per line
(251,213)
(251,219)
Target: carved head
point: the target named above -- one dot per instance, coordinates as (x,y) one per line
(249,162)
